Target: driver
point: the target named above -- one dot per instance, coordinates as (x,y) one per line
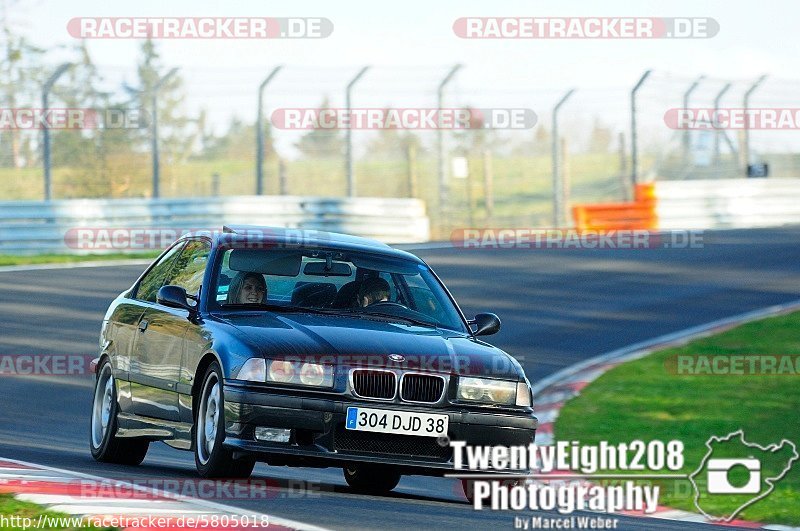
(372,290)
(247,288)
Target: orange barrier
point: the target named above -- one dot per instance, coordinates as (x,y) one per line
(639,214)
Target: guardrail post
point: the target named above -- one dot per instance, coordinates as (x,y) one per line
(351,178)
(48,182)
(260,131)
(154,103)
(687,138)
(634,136)
(442,164)
(558,182)
(745,150)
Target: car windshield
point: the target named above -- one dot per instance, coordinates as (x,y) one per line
(360,284)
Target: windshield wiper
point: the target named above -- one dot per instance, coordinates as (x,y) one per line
(349,312)
(277,308)
(411,320)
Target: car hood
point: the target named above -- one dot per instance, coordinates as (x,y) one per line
(353,341)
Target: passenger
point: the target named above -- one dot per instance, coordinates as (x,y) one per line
(247,288)
(372,290)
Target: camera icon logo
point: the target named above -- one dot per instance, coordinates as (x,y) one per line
(719,481)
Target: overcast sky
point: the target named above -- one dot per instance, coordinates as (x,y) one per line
(417,37)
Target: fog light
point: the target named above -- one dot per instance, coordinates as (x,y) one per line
(273,435)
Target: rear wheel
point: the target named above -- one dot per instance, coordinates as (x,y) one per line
(103,441)
(371,479)
(211,458)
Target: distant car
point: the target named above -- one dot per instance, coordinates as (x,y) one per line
(312,374)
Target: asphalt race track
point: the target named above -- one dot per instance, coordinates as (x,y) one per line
(557,307)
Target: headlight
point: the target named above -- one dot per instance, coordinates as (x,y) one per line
(297,373)
(253,370)
(281,371)
(487,391)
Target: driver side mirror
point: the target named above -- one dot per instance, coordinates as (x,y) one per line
(174,297)
(485,324)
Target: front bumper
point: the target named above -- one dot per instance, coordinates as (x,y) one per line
(319,438)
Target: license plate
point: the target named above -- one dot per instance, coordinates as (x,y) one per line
(400,422)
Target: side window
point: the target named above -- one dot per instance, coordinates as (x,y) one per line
(154,279)
(190,267)
(392,287)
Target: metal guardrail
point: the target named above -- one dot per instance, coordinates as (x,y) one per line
(727,203)
(28,227)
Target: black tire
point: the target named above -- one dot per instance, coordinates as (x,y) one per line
(211,458)
(106,447)
(468,487)
(371,479)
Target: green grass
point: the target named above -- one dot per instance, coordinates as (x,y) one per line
(644,400)
(11,507)
(10,260)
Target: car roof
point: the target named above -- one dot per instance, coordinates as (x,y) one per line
(308,237)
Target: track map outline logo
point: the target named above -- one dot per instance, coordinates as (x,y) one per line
(721,483)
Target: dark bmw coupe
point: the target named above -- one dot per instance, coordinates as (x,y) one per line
(301,349)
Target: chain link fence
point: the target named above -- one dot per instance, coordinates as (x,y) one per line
(478,177)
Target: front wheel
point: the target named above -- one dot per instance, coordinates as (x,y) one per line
(371,479)
(468,486)
(210,457)
(103,441)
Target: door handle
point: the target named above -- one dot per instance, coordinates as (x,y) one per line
(143,325)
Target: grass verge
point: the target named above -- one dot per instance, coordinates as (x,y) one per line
(645,399)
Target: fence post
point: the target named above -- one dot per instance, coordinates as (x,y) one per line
(623,168)
(48,181)
(566,177)
(283,183)
(442,164)
(687,138)
(411,159)
(745,150)
(634,137)
(155,154)
(351,179)
(488,183)
(260,131)
(717,131)
(558,185)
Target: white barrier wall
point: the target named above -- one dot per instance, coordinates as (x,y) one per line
(727,203)
(38,227)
